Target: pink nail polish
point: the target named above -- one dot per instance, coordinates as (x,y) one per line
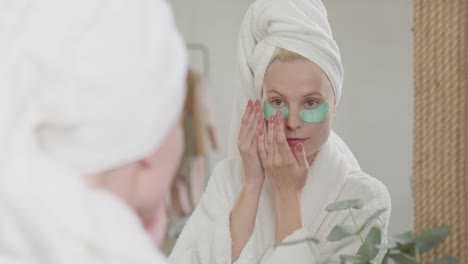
(279,113)
(299,147)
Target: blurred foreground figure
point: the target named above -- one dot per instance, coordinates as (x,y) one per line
(91,94)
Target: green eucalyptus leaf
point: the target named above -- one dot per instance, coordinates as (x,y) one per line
(369,250)
(386,258)
(388,246)
(404,238)
(372,217)
(345,204)
(305,240)
(402,258)
(355,259)
(429,239)
(340,232)
(409,248)
(446,260)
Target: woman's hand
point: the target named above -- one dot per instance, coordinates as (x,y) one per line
(244,213)
(252,122)
(286,169)
(287,173)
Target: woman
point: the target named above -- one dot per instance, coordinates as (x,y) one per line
(278,180)
(89,146)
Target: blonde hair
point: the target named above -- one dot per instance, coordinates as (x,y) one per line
(284,55)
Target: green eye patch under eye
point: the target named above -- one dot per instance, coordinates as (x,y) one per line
(269,110)
(316,115)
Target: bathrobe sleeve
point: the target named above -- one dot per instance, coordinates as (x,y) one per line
(376,197)
(206,237)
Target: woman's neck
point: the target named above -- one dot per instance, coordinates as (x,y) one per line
(311,158)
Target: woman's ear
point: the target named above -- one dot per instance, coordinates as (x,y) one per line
(147,161)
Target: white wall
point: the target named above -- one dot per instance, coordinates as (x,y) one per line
(376,111)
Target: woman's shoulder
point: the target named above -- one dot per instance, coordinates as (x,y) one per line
(228,173)
(361,185)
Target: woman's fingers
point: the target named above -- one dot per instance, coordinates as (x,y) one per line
(277,157)
(249,124)
(253,113)
(271,141)
(245,118)
(262,152)
(300,154)
(280,139)
(253,124)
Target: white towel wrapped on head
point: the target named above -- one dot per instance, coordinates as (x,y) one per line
(104,81)
(300,26)
(85,86)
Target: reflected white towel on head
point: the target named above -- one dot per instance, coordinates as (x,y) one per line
(300,26)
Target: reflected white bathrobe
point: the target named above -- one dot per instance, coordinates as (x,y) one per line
(334,175)
(300,26)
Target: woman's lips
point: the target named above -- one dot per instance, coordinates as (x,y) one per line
(295,141)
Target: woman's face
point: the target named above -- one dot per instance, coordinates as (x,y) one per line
(156,174)
(298,85)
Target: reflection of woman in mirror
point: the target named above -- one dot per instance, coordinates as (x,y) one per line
(285,164)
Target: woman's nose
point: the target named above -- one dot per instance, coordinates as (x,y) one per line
(293,121)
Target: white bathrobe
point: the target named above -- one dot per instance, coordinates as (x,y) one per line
(334,175)
(57,219)
(85,87)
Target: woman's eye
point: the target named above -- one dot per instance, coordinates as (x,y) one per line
(311,103)
(277,102)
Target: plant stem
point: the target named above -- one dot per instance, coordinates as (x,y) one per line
(355,224)
(385,256)
(417,255)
